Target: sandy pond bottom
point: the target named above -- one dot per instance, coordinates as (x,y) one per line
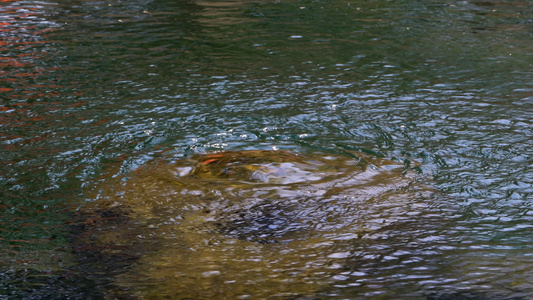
(261,224)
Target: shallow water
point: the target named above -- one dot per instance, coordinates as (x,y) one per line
(93,90)
(245,224)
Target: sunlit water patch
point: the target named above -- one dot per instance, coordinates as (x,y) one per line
(246,224)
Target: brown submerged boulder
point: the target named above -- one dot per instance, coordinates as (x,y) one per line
(253,223)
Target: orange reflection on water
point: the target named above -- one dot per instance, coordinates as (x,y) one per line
(26,65)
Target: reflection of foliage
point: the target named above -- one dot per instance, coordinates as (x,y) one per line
(467,43)
(24,69)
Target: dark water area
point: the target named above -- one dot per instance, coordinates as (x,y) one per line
(92,90)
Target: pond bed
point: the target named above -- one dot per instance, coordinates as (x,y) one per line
(245,224)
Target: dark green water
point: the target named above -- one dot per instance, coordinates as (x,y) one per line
(91,90)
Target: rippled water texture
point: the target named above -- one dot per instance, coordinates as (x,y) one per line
(247,224)
(96,96)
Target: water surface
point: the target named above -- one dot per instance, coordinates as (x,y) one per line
(92,90)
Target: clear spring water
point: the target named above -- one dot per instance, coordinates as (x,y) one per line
(92,90)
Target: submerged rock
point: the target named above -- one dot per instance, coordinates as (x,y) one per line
(244,224)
